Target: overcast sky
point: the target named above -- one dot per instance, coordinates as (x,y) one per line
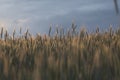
(38,15)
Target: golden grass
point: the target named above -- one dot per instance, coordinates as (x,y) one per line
(75,55)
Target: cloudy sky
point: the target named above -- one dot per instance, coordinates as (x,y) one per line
(38,15)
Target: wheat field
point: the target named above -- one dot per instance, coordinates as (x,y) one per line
(71,55)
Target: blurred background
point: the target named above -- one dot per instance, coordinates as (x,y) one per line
(39,15)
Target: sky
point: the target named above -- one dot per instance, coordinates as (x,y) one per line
(39,15)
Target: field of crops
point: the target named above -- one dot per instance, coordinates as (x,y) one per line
(71,55)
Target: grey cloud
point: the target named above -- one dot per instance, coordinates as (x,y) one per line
(43,13)
(102,18)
